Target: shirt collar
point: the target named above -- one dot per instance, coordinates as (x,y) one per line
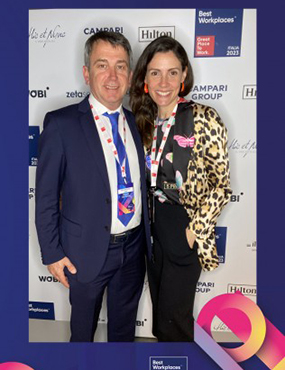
(100,108)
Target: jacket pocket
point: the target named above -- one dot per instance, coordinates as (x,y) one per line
(71,227)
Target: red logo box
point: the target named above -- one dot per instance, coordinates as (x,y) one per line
(205,46)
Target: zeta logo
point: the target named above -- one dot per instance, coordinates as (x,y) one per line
(41,310)
(218,32)
(34,133)
(221,238)
(168,363)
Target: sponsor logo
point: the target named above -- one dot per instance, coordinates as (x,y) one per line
(147,34)
(204,287)
(168,363)
(34,133)
(236,198)
(252,245)
(140,322)
(48,279)
(32,193)
(76,94)
(47,35)
(208,92)
(38,93)
(218,32)
(221,238)
(91,30)
(249,290)
(243,147)
(41,310)
(249,92)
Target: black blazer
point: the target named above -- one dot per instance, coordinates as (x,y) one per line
(71,167)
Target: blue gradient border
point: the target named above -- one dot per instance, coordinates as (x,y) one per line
(14,159)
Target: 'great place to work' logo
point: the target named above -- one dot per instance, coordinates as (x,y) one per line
(168,363)
(41,310)
(218,32)
(34,133)
(221,239)
(147,34)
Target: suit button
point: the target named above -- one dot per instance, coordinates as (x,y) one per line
(108,201)
(106,228)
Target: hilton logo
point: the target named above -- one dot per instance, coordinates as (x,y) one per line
(151,33)
(249,92)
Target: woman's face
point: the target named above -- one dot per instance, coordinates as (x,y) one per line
(164,77)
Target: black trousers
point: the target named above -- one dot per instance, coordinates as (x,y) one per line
(123,276)
(173,274)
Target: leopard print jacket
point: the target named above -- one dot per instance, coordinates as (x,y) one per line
(207,188)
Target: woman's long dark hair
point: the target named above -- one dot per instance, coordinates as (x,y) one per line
(143,107)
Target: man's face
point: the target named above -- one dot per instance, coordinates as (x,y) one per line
(109,75)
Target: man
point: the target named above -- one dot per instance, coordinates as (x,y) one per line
(91,157)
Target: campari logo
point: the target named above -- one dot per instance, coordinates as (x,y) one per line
(93,30)
(208,92)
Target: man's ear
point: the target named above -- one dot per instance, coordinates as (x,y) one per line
(86,75)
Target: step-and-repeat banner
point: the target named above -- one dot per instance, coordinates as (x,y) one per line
(221,45)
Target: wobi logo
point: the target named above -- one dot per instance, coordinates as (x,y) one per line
(236,198)
(76,94)
(168,363)
(151,33)
(249,92)
(38,93)
(92,30)
(41,310)
(32,193)
(249,290)
(140,322)
(204,287)
(244,147)
(208,92)
(48,279)
(34,133)
(47,35)
(221,239)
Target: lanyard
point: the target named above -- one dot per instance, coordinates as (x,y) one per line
(109,140)
(155,159)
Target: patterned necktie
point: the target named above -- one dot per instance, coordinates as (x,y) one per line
(125,205)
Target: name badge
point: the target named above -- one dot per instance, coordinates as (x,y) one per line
(126,199)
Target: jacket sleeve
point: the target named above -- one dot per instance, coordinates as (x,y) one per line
(214,160)
(49,178)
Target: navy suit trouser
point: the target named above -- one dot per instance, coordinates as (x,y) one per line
(123,275)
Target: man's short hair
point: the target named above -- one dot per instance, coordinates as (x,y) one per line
(114,38)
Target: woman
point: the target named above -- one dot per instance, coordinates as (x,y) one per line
(188,174)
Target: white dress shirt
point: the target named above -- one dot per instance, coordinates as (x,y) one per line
(116,226)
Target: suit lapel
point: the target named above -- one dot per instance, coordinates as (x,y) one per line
(93,140)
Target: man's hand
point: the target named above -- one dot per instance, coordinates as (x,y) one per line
(190,237)
(56,269)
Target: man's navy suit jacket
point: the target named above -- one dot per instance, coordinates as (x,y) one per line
(73,198)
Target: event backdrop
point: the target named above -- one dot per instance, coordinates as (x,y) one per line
(221,44)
